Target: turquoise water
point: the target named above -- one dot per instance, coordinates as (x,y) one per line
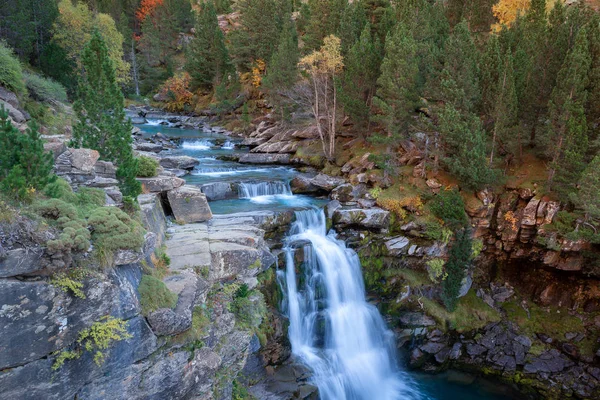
(207,146)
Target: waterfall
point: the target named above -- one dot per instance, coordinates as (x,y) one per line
(228,145)
(333,330)
(262,189)
(197,145)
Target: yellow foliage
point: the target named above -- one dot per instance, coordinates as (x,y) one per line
(257,72)
(511,219)
(506,11)
(327,60)
(176,89)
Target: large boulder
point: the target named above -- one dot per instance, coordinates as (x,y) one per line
(189,204)
(219,191)
(302,183)
(327,182)
(179,162)
(347,192)
(21,261)
(374,218)
(161,183)
(149,147)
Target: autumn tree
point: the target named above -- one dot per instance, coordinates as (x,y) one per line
(74,27)
(322,68)
(567,131)
(507,11)
(208,61)
(101,117)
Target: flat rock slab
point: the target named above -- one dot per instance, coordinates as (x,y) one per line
(225,246)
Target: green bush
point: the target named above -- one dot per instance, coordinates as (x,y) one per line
(44,89)
(154,294)
(456,268)
(112,230)
(11,73)
(449,206)
(147,167)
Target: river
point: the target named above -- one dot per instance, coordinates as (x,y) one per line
(333,330)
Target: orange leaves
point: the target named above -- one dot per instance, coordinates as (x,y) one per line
(176,90)
(506,11)
(146,8)
(258,71)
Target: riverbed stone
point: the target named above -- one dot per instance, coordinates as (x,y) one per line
(189,204)
(161,183)
(265,158)
(179,162)
(374,218)
(219,191)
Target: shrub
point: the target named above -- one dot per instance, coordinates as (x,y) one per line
(147,167)
(11,73)
(456,268)
(249,310)
(101,335)
(113,229)
(67,284)
(449,206)
(435,269)
(44,89)
(154,294)
(176,90)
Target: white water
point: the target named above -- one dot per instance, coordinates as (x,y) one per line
(333,330)
(228,145)
(227,171)
(265,192)
(157,122)
(197,145)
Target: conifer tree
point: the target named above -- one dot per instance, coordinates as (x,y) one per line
(101,118)
(462,64)
(505,110)
(208,61)
(24,165)
(465,150)
(380,16)
(257,36)
(396,93)
(588,195)
(567,133)
(593,104)
(456,268)
(360,77)
(352,23)
(282,70)
(491,62)
(325,17)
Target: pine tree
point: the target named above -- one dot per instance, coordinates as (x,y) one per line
(593,104)
(351,25)
(380,16)
(462,64)
(360,77)
(505,110)
(257,36)
(588,195)
(282,70)
(325,17)
(208,61)
(456,268)
(396,93)
(491,62)
(465,149)
(24,165)
(101,118)
(567,133)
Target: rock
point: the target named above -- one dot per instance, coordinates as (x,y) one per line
(56,148)
(475,349)
(550,361)
(374,218)
(179,162)
(397,245)
(347,192)
(456,351)
(14,113)
(9,97)
(219,191)
(170,322)
(466,285)
(21,261)
(331,207)
(161,183)
(327,182)
(433,184)
(303,184)
(153,215)
(138,121)
(150,147)
(189,204)
(442,356)
(265,158)
(432,347)
(84,159)
(416,319)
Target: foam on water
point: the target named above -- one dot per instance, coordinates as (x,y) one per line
(197,145)
(228,145)
(333,330)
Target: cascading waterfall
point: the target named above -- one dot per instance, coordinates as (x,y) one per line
(197,145)
(333,330)
(262,189)
(228,145)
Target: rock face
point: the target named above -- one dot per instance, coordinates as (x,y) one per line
(219,191)
(374,218)
(189,204)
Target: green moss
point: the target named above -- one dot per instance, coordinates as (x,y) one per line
(68,285)
(101,335)
(239,392)
(63,356)
(249,311)
(198,330)
(154,294)
(256,264)
(471,313)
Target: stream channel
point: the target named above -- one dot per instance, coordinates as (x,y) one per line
(333,330)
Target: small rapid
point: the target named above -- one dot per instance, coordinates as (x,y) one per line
(198,145)
(333,329)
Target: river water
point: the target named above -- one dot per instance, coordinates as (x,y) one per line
(333,329)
